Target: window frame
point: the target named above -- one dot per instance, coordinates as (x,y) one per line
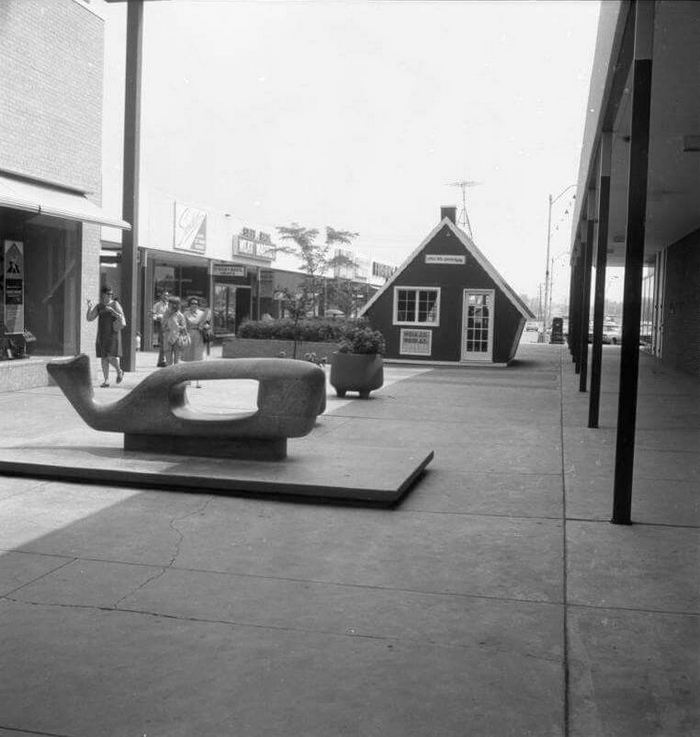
(417,290)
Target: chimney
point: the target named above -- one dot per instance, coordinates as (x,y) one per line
(449,212)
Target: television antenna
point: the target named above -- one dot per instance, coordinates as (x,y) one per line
(463,217)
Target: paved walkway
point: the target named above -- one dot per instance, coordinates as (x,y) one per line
(496,600)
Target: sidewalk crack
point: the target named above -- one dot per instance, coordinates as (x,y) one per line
(201,509)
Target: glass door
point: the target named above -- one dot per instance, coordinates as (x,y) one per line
(224,308)
(477,325)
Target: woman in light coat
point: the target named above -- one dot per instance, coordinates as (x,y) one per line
(174,331)
(195,317)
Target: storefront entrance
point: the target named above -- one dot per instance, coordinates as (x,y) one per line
(232,305)
(477,325)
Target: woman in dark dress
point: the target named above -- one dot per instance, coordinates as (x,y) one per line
(110,322)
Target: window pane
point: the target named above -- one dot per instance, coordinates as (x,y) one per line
(406,305)
(427,306)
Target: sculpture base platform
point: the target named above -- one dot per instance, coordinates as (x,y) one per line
(244,448)
(314,471)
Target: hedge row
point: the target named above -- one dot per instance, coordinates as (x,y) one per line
(319,330)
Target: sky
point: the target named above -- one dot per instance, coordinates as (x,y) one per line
(359,114)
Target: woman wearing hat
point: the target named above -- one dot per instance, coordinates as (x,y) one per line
(195,317)
(175,334)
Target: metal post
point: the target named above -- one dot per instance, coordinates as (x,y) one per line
(130,240)
(586,291)
(600,266)
(634,260)
(574,325)
(572,286)
(546,273)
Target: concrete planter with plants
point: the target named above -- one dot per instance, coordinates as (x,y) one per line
(357,365)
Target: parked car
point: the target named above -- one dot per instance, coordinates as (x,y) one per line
(612,333)
(532,325)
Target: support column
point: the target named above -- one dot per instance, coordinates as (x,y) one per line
(600,267)
(634,260)
(586,290)
(574,326)
(132,124)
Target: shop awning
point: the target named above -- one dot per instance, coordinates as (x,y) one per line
(58,203)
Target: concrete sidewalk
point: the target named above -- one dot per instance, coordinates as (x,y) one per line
(495,600)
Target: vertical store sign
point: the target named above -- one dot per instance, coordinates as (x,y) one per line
(190,231)
(13,284)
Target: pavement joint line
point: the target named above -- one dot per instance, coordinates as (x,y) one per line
(638,610)
(306,630)
(565,605)
(318,582)
(21,731)
(636,522)
(555,518)
(38,578)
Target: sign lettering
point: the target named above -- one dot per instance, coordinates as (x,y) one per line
(447,258)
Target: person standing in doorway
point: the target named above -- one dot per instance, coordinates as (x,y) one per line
(160,307)
(110,323)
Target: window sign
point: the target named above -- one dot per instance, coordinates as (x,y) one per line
(13,286)
(416,342)
(437,258)
(417,306)
(190,231)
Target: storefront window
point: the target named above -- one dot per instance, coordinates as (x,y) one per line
(41,291)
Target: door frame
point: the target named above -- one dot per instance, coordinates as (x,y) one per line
(486,356)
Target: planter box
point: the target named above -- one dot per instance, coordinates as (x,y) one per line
(356,372)
(254,348)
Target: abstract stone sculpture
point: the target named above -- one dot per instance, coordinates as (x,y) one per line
(156,417)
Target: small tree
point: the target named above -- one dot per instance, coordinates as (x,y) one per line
(316,258)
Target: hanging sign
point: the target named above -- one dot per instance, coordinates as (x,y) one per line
(228,270)
(416,342)
(190,231)
(437,258)
(13,286)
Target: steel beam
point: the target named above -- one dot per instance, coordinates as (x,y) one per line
(634,260)
(600,267)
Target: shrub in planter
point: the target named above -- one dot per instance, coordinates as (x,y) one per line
(358,365)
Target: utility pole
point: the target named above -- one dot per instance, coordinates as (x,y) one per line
(547,275)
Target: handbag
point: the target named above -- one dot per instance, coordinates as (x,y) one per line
(206,332)
(183,339)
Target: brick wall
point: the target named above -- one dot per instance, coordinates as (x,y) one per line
(682,309)
(90,285)
(51,69)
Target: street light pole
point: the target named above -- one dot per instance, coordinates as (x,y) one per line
(547,273)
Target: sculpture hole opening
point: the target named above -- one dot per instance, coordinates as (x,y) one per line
(224,396)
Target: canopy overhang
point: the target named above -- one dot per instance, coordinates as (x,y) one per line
(44,199)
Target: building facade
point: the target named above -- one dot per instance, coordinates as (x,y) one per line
(447,304)
(50,180)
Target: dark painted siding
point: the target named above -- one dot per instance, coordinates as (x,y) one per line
(452,279)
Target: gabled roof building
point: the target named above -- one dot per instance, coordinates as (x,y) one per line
(448,304)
